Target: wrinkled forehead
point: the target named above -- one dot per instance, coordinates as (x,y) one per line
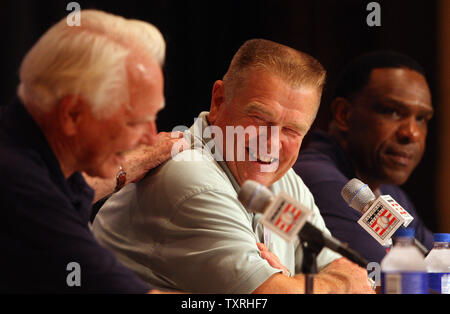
(400,84)
(277,101)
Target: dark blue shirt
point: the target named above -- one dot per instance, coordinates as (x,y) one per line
(325,168)
(44,221)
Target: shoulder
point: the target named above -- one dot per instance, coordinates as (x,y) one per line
(314,171)
(192,172)
(322,160)
(30,187)
(298,186)
(291,183)
(324,189)
(399,195)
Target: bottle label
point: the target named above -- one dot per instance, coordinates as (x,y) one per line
(439,282)
(404,283)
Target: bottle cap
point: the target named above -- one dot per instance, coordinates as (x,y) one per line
(405,233)
(442,237)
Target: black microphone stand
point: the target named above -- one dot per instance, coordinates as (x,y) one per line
(309,265)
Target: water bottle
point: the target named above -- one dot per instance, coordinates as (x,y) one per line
(403,269)
(438,264)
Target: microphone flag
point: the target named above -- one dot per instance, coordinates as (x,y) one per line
(286,216)
(383,218)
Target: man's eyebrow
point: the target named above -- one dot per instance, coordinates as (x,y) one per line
(256,107)
(423,108)
(150,117)
(300,127)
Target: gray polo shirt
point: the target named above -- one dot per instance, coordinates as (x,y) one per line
(183,228)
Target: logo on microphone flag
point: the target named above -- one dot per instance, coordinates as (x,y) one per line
(285,216)
(381,220)
(288,217)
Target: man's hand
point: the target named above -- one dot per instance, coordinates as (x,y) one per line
(138,162)
(141,160)
(273,260)
(342,276)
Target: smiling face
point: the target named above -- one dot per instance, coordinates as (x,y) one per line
(264,100)
(103,142)
(387,125)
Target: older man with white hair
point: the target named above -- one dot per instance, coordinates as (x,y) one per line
(88,95)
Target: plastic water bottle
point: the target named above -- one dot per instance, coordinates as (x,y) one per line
(403,269)
(438,264)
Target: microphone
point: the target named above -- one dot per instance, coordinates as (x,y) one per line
(381,217)
(285,216)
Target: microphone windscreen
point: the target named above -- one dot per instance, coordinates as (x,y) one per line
(357,194)
(254,196)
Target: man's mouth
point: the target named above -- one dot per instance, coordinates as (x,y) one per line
(401,157)
(266,160)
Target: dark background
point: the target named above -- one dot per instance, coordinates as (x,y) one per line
(202,37)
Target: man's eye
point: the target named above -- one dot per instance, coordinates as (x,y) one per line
(133,124)
(292,132)
(258,118)
(391,112)
(423,119)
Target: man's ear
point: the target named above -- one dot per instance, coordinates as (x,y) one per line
(217,101)
(341,109)
(70,112)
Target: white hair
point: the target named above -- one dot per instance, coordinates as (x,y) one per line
(88,60)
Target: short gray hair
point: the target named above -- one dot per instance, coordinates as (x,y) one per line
(88,60)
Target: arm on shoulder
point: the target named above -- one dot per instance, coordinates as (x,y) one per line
(137,163)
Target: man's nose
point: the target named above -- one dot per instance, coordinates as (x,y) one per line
(409,131)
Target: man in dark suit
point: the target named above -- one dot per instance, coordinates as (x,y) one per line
(381,109)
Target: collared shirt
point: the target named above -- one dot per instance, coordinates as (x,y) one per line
(45,243)
(325,169)
(182,227)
